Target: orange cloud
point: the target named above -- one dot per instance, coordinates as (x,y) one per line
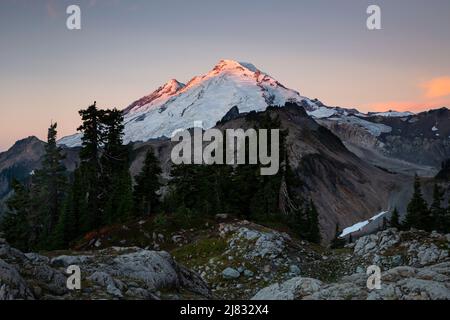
(437,87)
(435,94)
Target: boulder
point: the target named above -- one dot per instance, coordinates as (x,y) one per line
(12,285)
(230,273)
(293,289)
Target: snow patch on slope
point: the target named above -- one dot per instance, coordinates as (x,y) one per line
(322,112)
(376,129)
(393,114)
(358,226)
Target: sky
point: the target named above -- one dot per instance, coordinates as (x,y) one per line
(128,48)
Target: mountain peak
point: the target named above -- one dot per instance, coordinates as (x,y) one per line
(26,143)
(227,64)
(173,85)
(167,90)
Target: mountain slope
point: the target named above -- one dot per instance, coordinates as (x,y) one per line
(344,188)
(22,159)
(407,143)
(18,162)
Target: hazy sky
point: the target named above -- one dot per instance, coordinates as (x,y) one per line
(127,48)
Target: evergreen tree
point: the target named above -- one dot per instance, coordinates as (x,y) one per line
(337,242)
(438,214)
(418,215)
(115,179)
(298,222)
(15,224)
(245,185)
(145,195)
(185,184)
(447,218)
(71,224)
(114,156)
(395,220)
(119,203)
(265,199)
(52,179)
(304,219)
(313,234)
(92,140)
(264,204)
(38,205)
(38,213)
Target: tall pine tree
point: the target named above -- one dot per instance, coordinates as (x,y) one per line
(418,216)
(313,234)
(337,241)
(146,198)
(53,179)
(438,214)
(115,180)
(90,167)
(38,205)
(395,220)
(71,224)
(15,225)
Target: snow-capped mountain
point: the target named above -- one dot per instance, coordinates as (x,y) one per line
(205,98)
(209,97)
(391,139)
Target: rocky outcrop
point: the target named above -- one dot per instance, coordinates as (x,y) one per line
(295,288)
(28,276)
(259,244)
(416,267)
(391,248)
(400,283)
(114,273)
(12,285)
(232,114)
(239,260)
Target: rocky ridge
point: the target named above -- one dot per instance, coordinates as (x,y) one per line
(113,273)
(233,259)
(414,264)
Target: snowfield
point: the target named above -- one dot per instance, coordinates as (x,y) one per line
(394,114)
(358,226)
(209,97)
(376,129)
(205,98)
